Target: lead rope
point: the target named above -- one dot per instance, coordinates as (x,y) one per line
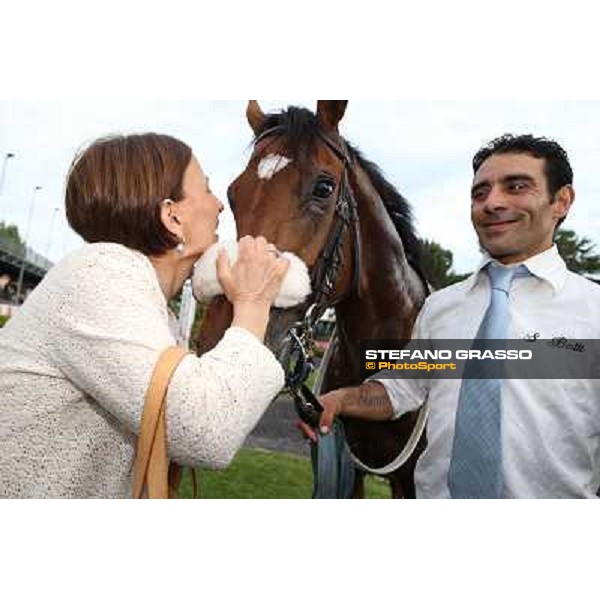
(412,442)
(333,469)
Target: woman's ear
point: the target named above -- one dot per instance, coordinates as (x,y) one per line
(170,218)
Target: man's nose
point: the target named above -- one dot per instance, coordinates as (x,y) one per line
(496,200)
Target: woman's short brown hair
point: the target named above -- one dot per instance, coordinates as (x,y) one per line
(115,188)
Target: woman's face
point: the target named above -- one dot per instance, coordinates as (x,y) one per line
(198,211)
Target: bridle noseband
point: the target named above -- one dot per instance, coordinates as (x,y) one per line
(297,351)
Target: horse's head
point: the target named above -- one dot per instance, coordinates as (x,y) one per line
(288,191)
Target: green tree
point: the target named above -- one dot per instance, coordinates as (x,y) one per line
(10,232)
(437,265)
(577,252)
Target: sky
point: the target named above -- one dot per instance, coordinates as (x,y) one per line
(423,147)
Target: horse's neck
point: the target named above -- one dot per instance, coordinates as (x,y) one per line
(391,293)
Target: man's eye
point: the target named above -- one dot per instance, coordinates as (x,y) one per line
(517,186)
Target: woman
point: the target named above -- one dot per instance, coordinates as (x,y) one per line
(76,360)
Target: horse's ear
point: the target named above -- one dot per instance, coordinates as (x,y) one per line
(255,115)
(330,112)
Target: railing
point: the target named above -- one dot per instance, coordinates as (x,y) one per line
(13,248)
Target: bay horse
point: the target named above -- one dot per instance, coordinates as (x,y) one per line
(289,193)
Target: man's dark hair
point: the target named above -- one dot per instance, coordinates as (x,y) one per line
(556,164)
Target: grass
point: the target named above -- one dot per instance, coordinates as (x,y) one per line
(264,474)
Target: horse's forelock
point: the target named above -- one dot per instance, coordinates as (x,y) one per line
(297,127)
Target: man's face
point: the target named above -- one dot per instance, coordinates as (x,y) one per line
(511,207)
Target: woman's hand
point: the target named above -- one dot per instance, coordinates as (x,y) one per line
(257,274)
(253,282)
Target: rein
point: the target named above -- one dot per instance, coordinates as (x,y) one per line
(298,348)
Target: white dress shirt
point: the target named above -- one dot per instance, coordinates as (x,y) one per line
(551,427)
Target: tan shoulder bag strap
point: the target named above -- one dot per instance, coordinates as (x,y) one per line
(151,466)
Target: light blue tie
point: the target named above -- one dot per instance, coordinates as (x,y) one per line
(476,463)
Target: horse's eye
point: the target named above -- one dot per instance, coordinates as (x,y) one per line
(323,188)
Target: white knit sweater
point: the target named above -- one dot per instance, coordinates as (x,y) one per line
(75,363)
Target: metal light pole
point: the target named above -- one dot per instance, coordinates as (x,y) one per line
(7,157)
(36,189)
(51,232)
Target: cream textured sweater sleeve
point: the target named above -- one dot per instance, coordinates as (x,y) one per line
(106,339)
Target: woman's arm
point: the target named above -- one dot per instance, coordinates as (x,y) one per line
(216,400)
(108,326)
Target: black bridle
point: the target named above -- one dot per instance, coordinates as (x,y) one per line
(297,351)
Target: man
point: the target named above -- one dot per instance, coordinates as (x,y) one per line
(512,437)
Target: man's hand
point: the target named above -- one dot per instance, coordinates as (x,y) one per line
(369,401)
(333,405)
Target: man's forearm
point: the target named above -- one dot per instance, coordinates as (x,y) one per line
(369,401)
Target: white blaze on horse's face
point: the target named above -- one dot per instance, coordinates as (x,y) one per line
(271,164)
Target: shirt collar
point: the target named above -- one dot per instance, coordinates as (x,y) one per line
(547,265)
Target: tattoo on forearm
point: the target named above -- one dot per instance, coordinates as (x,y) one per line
(372,395)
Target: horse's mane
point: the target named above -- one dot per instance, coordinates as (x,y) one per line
(300,129)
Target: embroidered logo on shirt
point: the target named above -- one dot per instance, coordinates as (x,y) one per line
(559,341)
(565,344)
